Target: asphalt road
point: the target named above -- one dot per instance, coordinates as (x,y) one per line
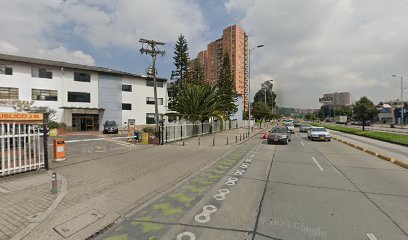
(305,190)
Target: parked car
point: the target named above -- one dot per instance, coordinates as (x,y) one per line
(110,127)
(290,126)
(296,123)
(304,127)
(279,135)
(319,133)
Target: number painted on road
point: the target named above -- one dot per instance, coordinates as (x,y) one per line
(205,215)
(239,172)
(187,234)
(231,181)
(221,194)
(249,160)
(244,165)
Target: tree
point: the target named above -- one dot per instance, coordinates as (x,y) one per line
(226,88)
(365,110)
(181,59)
(266,87)
(197,102)
(261,112)
(196,74)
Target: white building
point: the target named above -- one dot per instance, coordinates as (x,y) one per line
(84,97)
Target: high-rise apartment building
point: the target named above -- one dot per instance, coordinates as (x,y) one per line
(339,99)
(234,42)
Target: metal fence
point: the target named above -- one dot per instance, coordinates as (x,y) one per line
(180,131)
(21,147)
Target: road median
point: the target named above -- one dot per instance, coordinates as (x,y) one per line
(400,163)
(395,138)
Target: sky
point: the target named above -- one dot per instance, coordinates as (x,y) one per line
(310,47)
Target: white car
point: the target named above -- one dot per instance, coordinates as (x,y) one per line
(290,126)
(319,133)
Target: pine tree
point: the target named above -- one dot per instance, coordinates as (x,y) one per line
(226,88)
(181,59)
(196,74)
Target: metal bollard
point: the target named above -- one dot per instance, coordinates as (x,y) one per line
(54,183)
(236,138)
(240,139)
(213,141)
(227,140)
(183,143)
(198,141)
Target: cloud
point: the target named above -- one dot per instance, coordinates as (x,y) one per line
(318,46)
(46,28)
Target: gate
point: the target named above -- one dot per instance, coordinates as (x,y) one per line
(23,138)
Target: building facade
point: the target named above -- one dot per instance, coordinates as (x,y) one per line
(83,97)
(234,42)
(339,99)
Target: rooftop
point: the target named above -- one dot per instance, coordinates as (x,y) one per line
(60,64)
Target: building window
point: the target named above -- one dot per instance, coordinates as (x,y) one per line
(150,100)
(41,73)
(150,82)
(82,77)
(6,70)
(126,88)
(8,93)
(79,97)
(150,118)
(126,106)
(44,95)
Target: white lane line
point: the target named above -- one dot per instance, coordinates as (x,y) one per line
(302,143)
(317,163)
(296,135)
(371,236)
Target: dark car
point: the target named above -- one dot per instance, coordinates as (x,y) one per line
(279,135)
(110,127)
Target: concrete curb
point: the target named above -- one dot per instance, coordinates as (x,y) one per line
(379,155)
(38,220)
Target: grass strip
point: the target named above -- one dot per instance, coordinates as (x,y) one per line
(383,136)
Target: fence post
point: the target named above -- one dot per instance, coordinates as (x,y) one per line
(167,134)
(181,133)
(45,139)
(202,128)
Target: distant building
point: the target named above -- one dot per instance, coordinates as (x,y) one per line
(339,99)
(234,42)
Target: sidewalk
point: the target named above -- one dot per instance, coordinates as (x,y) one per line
(100,190)
(26,200)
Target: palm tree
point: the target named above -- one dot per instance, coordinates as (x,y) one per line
(198,102)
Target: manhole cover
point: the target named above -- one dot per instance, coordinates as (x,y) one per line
(78,223)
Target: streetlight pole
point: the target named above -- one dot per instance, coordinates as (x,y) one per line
(249,86)
(271,96)
(402,99)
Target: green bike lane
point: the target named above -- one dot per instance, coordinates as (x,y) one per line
(163,215)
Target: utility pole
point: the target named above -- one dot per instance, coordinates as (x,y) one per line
(153,52)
